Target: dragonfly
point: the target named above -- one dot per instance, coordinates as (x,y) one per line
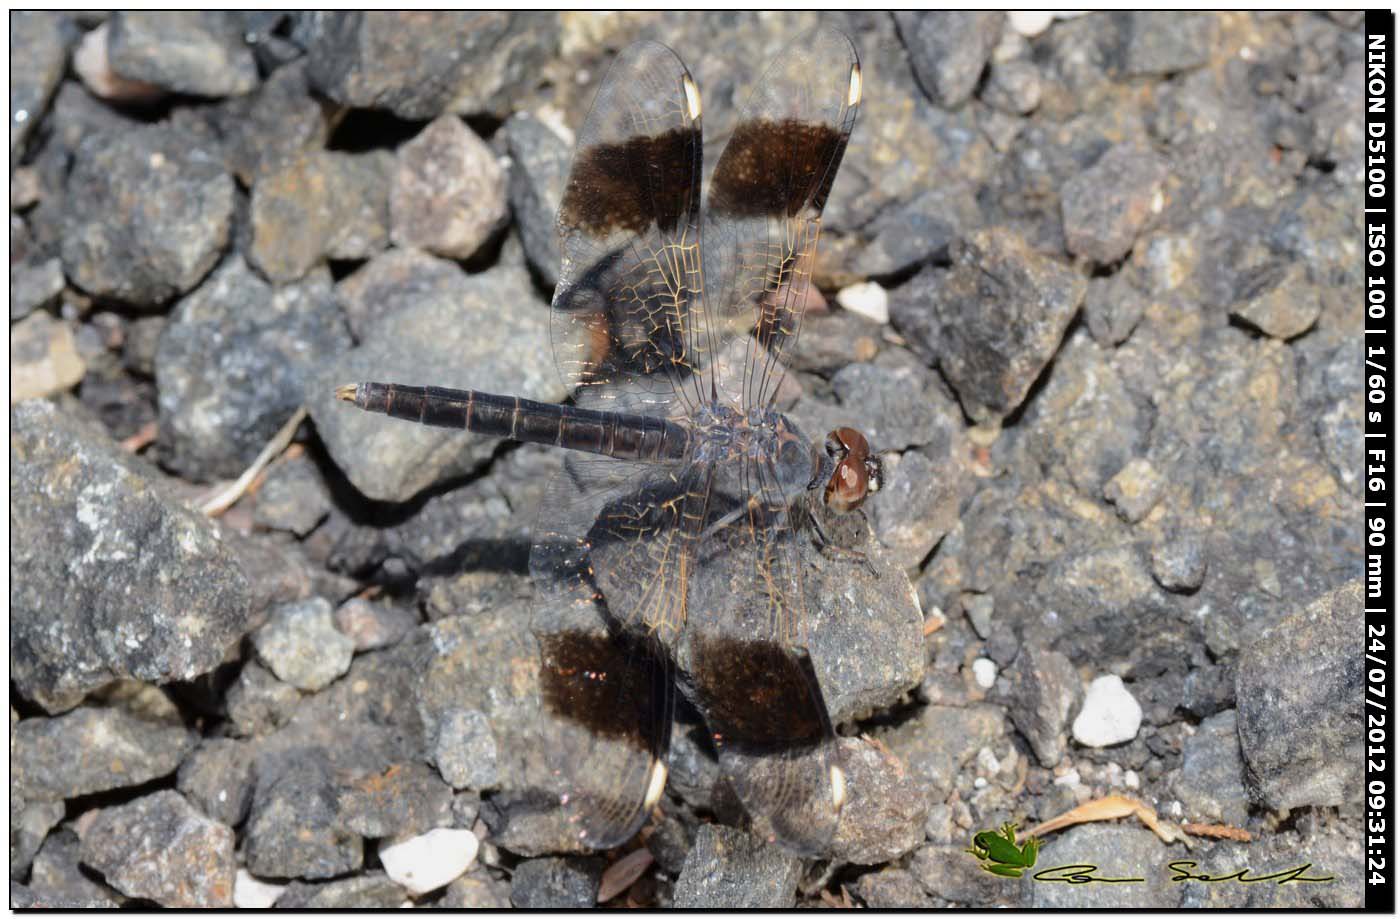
(666,554)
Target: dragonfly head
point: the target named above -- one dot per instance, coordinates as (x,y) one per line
(856,472)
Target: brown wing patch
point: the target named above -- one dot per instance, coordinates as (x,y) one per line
(777,168)
(631,186)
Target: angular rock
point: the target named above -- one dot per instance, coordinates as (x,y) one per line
(920,230)
(1042,689)
(372,890)
(1286,306)
(38,53)
(91,749)
(1179,562)
(92,527)
(419,64)
(539,169)
(941,739)
(57,880)
(1112,309)
(886,808)
(1107,204)
(302,646)
(900,403)
(374,625)
(92,62)
(917,505)
(232,363)
(294,827)
(148,213)
(948,50)
(404,800)
(273,126)
(992,322)
(198,52)
(259,703)
(30,822)
(43,358)
(391,281)
(730,869)
(161,848)
(460,339)
(1159,42)
(320,205)
(293,497)
(952,873)
(218,778)
(477,889)
(1211,783)
(890,888)
(556,883)
(448,194)
(1298,692)
(34,285)
(465,752)
(1110,714)
(1118,851)
(1135,490)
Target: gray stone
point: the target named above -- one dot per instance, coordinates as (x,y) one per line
(940,739)
(38,54)
(1107,204)
(372,890)
(57,879)
(404,800)
(301,644)
(199,52)
(34,285)
(30,822)
(556,883)
(1112,308)
(886,807)
(1013,86)
(1179,562)
(448,193)
(917,505)
(320,205)
(730,869)
(899,403)
(392,281)
(273,126)
(1135,490)
(218,777)
(232,364)
(148,212)
(1041,689)
(137,738)
(294,828)
(1118,852)
(1299,691)
(465,752)
(920,230)
(258,702)
(373,625)
(1283,304)
(161,848)
(992,322)
(948,50)
(952,873)
(539,169)
(453,338)
(1336,859)
(294,497)
(1160,41)
(43,358)
(93,527)
(1211,783)
(477,889)
(419,64)
(890,888)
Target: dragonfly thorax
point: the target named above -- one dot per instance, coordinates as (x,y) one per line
(765,438)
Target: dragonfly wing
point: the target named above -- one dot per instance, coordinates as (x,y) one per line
(763,214)
(610,563)
(624,313)
(747,667)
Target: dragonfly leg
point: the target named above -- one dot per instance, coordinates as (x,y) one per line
(827,546)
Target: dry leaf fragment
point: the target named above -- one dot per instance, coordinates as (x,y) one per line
(622,873)
(1111,808)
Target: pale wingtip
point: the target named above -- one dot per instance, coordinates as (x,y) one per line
(347,392)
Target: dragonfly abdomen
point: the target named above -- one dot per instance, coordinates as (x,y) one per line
(616,434)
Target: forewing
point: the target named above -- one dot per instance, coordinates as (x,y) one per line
(609,564)
(747,666)
(624,319)
(763,214)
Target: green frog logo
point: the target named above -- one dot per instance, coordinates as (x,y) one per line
(999,853)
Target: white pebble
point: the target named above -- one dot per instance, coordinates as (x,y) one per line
(1130,779)
(1032,22)
(251,893)
(984,671)
(979,782)
(1070,778)
(432,860)
(987,761)
(868,299)
(1110,715)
